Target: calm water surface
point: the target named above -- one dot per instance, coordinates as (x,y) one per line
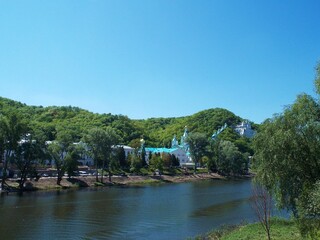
(168,211)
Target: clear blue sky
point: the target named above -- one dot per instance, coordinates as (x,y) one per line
(164,58)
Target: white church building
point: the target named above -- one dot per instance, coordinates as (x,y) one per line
(244,129)
(180,151)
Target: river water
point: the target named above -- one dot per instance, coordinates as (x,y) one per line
(165,211)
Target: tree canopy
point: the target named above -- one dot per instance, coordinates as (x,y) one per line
(287,157)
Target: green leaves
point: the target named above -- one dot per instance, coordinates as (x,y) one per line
(229,159)
(198,144)
(317,79)
(100,144)
(50,122)
(287,158)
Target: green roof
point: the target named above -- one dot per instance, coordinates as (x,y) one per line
(160,150)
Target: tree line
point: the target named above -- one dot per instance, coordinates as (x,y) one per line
(217,155)
(46,122)
(23,148)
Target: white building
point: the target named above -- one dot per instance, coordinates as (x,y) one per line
(244,129)
(181,152)
(127,150)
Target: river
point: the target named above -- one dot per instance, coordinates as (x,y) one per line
(165,211)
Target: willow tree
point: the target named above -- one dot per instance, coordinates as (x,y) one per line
(287,158)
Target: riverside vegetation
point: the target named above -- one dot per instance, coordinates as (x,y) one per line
(24,130)
(281,230)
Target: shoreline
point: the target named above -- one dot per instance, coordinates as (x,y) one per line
(90,181)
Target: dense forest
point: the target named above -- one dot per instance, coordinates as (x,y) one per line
(45,122)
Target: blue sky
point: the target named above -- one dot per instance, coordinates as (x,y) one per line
(165,58)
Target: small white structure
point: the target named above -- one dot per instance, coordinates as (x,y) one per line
(85,159)
(244,129)
(128,150)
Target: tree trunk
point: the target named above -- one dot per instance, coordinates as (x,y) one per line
(268,233)
(97,180)
(109,172)
(4,174)
(60,175)
(5,168)
(102,172)
(21,183)
(262,206)
(59,179)
(23,177)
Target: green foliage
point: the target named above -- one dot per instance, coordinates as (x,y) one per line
(287,162)
(226,158)
(135,163)
(211,164)
(208,121)
(287,151)
(230,159)
(120,157)
(158,132)
(58,153)
(229,135)
(26,156)
(66,125)
(12,129)
(156,163)
(309,209)
(281,230)
(244,145)
(317,79)
(198,144)
(166,159)
(114,164)
(71,163)
(174,161)
(100,144)
(143,156)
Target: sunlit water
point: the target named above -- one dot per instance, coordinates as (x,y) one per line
(167,211)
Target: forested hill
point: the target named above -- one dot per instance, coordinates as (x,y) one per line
(46,121)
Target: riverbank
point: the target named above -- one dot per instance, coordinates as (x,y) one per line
(47,183)
(281,229)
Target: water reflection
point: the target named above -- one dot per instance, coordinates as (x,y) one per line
(219,209)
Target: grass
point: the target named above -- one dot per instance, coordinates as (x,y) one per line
(99,184)
(147,181)
(173,171)
(281,229)
(202,170)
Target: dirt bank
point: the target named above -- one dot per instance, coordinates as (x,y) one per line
(90,181)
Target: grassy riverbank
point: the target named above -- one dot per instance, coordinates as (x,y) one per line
(48,183)
(281,229)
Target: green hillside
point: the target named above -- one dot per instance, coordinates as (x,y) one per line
(158,132)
